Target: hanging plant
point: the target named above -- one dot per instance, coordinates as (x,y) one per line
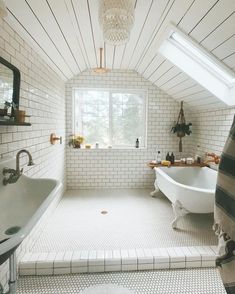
(181,128)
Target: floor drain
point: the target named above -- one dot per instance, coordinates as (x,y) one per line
(104,212)
(12,230)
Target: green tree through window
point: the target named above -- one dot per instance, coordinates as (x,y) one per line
(110,117)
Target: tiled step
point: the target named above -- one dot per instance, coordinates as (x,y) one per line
(55,263)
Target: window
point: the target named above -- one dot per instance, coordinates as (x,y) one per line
(110,117)
(199,64)
(205,60)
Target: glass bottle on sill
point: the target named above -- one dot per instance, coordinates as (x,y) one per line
(137,143)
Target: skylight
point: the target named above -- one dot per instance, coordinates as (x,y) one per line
(199,64)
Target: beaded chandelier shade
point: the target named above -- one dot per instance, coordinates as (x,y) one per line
(116,18)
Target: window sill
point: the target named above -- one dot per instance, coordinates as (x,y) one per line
(113,148)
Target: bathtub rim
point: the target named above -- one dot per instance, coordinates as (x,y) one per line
(187,187)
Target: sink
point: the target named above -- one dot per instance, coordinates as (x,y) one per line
(21,206)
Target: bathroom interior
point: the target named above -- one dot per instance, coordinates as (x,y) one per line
(113,118)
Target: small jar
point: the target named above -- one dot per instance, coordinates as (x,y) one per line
(183,160)
(189,160)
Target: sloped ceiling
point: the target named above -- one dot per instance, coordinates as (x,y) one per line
(67,35)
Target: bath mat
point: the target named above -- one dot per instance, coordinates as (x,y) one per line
(107,289)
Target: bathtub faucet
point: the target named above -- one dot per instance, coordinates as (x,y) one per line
(14,174)
(215,158)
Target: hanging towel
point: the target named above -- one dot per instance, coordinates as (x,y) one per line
(225,213)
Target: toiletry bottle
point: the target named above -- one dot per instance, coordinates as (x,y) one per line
(137,143)
(172,158)
(198,159)
(168,157)
(159,158)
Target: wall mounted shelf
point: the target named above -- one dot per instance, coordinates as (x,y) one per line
(13,123)
(152,165)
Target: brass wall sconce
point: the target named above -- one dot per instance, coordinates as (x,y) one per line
(54,138)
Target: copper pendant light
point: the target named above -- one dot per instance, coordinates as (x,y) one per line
(100,69)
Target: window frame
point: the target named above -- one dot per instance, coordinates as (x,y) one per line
(190,59)
(115,90)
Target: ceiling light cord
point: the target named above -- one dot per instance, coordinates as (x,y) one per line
(3,9)
(100,69)
(101,50)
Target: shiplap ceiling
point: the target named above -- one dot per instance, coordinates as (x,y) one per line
(67,35)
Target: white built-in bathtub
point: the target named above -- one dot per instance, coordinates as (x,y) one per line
(190,189)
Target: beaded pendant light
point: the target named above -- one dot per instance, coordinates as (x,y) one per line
(116,18)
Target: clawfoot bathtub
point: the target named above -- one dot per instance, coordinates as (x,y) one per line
(190,189)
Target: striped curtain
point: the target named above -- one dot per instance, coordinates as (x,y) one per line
(225,213)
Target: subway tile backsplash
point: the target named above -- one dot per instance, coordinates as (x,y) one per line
(211,129)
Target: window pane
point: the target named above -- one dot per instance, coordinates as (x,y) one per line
(128,119)
(92,116)
(110,117)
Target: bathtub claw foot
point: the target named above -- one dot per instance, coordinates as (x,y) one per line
(179,211)
(174,223)
(154,193)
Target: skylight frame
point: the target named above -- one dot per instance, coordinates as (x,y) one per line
(198,63)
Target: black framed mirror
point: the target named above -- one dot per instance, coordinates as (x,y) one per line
(9,89)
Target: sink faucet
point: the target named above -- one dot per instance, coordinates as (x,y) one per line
(215,158)
(14,174)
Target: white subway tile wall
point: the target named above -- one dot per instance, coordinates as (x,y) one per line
(99,168)
(42,97)
(210,130)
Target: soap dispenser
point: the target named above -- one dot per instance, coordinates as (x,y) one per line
(168,157)
(158,157)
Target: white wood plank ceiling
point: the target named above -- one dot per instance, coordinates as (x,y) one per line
(67,35)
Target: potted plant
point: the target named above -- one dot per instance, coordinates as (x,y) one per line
(4,111)
(181,128)
(76,141)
